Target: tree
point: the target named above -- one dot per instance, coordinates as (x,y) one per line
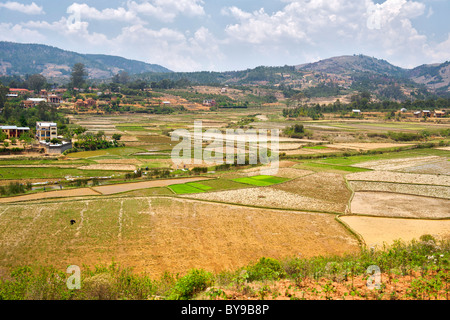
(122,77)
(36,82)
(26,139)
(3,92)
(78,76)
(116,136)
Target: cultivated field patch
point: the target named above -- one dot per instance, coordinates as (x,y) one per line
(399,205)
(260,180)
(155,235)
(110,167)
(51,194)
(271,198)
(323,186)
(398,164)
(413,189)
(124,187)
(377,231)
(400,177)
(366,146)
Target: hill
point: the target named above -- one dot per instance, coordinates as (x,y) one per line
(52,62)
(434,76)
(351,65)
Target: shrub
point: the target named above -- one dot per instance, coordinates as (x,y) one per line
(186,287)
(266,269)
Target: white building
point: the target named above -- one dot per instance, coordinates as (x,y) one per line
(46,130)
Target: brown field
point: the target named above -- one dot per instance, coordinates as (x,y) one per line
(400,177)
(399,205)
(366,146)
(399,164)
(155,235)
(376,231)
(418,190)
(109,167)
(270,198)
(324,186)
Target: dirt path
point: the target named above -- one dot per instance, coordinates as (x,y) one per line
(117,188)
(51,194)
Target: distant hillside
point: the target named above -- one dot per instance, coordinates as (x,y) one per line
(434,76)
(21,59)
(350,65)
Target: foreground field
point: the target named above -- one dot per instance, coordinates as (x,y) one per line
(379,230)
(163,234)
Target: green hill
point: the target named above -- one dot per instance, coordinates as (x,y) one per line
(21,59)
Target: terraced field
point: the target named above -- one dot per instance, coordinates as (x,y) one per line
(155,235)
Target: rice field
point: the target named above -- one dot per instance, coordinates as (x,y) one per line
(157,235)
(377,231)
(260,180)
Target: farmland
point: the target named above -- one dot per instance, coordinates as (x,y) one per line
(334,193)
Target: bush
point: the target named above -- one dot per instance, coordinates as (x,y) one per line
(194,282)
(12,188)
(266,269)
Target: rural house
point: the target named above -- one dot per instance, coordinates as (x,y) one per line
(13,131)
(46,130)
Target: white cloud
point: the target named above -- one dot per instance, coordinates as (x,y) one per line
(306,27)
(18,33)
(84,11)
(32,8)
(170,48)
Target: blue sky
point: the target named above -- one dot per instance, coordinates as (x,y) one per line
(224,35)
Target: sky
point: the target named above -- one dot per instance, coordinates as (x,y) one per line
(227,35)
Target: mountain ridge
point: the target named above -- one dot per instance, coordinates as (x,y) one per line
(346,70)
(53,62)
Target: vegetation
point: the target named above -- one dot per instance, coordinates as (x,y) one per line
(90,141)
(424,262)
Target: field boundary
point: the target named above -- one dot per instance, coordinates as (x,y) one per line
(357,235)
(393,217)
(402,193)
(405,183)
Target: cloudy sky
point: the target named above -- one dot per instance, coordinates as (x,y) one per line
(224,35)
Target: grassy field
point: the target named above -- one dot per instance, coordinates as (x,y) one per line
(260,181)
(161,234)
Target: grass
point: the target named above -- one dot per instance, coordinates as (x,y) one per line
(199,186)
(50,173)
(418,270)
(260,181)
(323,166)
(184,189)
(315,147)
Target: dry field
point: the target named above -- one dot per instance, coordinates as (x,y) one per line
(399,205)
(325,192)
(399,177)
(155,235)
(435,167)
(399,164)
(418,190)
(377,231)
(365,146)
(268,197)
(110,166)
